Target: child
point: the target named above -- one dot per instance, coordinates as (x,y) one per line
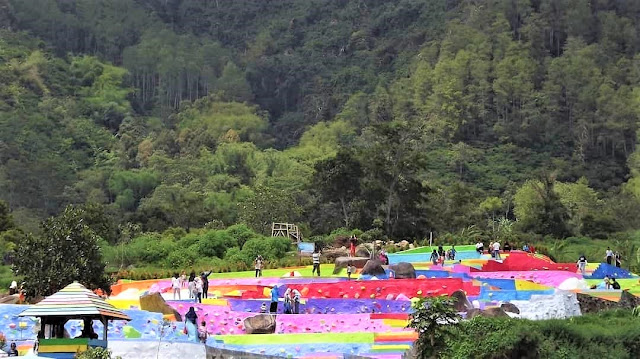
(350,270)
(202,332)
(263,307)
(287,301)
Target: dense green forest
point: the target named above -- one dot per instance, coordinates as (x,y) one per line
(507,119)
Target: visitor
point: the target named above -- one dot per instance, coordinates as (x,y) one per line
(296,301)
(263,307)
(352,245)
(13,350)
(205,283)
(350,270)
(175,285)
(532,249)
(496,250)
(257,264)
(479,247)
(507,247)
(274,300)
(434,257)
(618,259)
(525,248)
(87,330)
(609,255)
(183,279)
(202,332)
(192,284)
(441,253)
(316,262)
(198,289)
(190,325)
(287,301)
(384,259)
(614,284)
(452,253)
(607,282)
(13,288)
(582,264)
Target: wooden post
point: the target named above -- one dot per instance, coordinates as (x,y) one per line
(105,324)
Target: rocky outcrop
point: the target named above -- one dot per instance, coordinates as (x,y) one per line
(403,270)
(341,263)
(373,267)
(10,299)
(510,307)
(260,324)
(493,312)
(590,304)
(461,303)
(155,303)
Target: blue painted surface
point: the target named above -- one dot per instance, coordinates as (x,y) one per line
(509,295)
(605,269)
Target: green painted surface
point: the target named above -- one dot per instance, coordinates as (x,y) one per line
(311,338)
(64,341)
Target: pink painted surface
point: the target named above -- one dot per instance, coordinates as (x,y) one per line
(332,323)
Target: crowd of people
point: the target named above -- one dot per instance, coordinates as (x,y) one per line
(198,285)
(440,255)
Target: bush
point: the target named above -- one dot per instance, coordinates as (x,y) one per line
(95,353)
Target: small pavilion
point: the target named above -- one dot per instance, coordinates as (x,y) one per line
(72,302)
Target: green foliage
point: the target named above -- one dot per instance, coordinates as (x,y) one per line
(96,353)
(607,334)
(66,251)
(434,318)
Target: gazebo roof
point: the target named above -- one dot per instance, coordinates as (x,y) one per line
(74,300)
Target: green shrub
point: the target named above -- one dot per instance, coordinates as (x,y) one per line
(95,353)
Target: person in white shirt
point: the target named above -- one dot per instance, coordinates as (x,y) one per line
(496,250)
(175,285)
(316,262)
(199,289)
(609,255)
(296,301)
(13,288)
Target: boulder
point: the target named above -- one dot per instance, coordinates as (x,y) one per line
(461,303)
(260,324)
(155,303)
(493,312)
(403,270)
(373,267)
(341,263)
(510,307)
(590,304)
(10,299)
(363,251)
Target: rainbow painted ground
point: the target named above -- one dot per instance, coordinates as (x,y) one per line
(365,317)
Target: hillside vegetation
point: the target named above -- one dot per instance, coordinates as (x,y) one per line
(508,119)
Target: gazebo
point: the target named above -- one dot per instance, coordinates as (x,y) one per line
(72,302)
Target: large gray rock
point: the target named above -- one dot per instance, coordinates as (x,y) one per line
(403,270)
(461,303)
(155,303)
(260,324)
(510,307)
(373,267)
(10,299)
(341,263)
(494,312)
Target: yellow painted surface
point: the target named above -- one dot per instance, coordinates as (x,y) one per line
(398,323)
(398,347)
(527,285)
(124,303)
(67,348)
(213,301)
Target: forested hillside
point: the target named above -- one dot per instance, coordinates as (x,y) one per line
(494,118)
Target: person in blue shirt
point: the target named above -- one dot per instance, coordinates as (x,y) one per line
(274,299)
